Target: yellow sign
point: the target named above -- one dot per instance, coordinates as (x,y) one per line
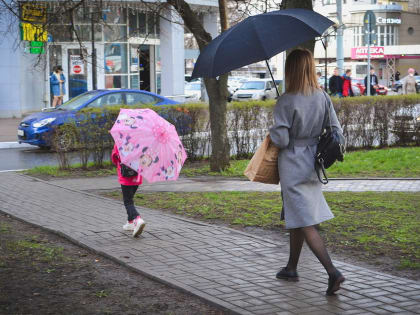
(33,13)
(33,32)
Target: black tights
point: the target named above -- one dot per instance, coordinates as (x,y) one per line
(315,243)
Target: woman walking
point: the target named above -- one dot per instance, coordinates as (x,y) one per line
(300,115)
(57,81)
(410,84)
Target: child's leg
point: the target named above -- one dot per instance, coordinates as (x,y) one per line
(128,195)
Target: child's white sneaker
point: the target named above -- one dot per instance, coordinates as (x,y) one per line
(139,225)
(128,226)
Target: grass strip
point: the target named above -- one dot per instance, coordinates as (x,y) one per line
(387,163)
(371,224)
(74,171)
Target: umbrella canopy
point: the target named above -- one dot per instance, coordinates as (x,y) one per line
(148,144)
(258,38)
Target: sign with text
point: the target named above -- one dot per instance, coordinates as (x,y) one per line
(77,65)
(30,12)
(33,32)
(362,52)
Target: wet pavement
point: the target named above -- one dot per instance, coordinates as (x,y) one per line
(228,268)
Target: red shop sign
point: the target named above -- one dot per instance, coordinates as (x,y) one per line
(362,52)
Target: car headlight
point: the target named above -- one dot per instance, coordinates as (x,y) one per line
(43,122)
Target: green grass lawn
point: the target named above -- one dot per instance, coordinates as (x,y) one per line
(368,224)
(74,171)
(393,162)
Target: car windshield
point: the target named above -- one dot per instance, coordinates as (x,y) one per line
(193,87)
(77,101)
(252,85)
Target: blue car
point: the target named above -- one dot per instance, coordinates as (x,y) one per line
(36,128)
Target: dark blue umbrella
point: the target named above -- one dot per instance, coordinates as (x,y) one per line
(258,38)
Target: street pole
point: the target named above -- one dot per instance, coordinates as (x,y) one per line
(368,61)
(340,49)
(94,80)
(326,64)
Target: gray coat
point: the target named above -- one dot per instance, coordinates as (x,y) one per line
(298,122)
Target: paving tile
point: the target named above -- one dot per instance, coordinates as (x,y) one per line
(228,268)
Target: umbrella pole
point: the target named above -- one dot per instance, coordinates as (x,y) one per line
(272,78)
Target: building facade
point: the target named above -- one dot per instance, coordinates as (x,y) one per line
(135,47)
(398,37)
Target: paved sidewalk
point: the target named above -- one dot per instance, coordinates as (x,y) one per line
(8,129)
(231,269)
(198,184)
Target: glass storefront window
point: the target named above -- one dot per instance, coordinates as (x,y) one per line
(134,59)
(142,23)
(151,25)
(134,82)
(115,16)
(84,32)
(115,33)
(158,70)
(82,16)
(115,58)
(116,81)
(61,33)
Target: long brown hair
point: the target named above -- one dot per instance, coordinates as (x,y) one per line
(300,72)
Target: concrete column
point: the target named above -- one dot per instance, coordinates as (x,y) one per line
(10,88)
(172,54)
(210,24)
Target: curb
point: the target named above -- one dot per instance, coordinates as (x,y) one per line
(14,145)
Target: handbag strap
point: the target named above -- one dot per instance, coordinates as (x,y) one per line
(327,109)
(321,166)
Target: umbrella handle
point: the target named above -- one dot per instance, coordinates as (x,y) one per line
(272,78)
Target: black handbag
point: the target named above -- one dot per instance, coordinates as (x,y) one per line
(331,148)
(127,171)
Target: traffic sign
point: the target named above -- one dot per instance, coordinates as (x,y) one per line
(77,69)
(369,28)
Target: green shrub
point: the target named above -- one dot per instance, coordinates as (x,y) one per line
(367,121)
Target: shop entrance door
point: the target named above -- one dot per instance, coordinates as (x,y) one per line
(77,70)
(144,69)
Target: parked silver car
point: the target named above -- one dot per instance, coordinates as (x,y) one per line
(255,89)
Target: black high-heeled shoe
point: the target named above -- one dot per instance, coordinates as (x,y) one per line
(334,282)
(284,274)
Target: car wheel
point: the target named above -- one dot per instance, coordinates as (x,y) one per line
(264,98)
(399,90)
(44,147)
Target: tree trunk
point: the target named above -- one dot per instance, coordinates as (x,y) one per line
(300,4)
(216,88)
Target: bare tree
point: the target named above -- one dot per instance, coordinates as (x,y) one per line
(216,87)
(300,4)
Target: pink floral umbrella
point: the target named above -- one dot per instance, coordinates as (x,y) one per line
(148,144)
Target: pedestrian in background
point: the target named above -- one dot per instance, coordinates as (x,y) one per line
(373,82)
(57,81)
(409,85)
(336,84)
(129,186)
(299,119)
(397,76)
(347,89)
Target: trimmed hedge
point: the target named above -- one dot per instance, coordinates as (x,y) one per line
(367,121)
